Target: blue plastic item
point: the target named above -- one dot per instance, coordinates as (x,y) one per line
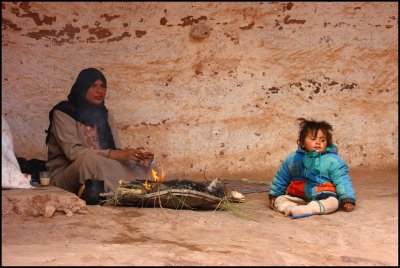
(301,216)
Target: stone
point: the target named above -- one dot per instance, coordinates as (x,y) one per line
(42,200)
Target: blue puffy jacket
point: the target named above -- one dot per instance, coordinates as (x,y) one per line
(314,176)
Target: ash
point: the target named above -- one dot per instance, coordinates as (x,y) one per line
(186,184)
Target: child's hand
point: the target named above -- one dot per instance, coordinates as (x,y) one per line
(348,207)
(272,202)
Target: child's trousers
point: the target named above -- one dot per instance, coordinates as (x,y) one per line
(295,206)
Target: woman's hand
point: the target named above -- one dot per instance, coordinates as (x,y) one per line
(143,158)
(348,207)
(146,158)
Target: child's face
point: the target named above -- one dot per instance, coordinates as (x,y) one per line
(317,143)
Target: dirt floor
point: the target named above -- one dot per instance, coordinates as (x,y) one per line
(251,234)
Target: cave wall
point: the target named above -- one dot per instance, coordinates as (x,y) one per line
(213,89)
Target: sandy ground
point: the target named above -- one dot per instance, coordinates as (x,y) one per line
(159,236)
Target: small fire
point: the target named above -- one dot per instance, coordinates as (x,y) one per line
(148,186)
(156,178)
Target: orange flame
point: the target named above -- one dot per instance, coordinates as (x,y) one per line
(148,186)
(156,177)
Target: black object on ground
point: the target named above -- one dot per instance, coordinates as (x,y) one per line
(92,191)
(32,166)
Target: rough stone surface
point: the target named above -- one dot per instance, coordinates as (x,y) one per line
(227,100)
(41,201)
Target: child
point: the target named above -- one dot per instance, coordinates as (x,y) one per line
(314,179)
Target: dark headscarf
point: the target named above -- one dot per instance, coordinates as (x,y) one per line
(81,110)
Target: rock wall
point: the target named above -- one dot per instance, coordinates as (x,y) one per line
(213,89)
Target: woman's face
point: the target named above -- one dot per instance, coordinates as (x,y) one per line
(96,93)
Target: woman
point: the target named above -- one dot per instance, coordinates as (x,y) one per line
(83,142)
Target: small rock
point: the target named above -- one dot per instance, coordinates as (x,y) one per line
(49,211)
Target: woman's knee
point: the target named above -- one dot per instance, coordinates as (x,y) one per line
(90,161)
(100,167)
